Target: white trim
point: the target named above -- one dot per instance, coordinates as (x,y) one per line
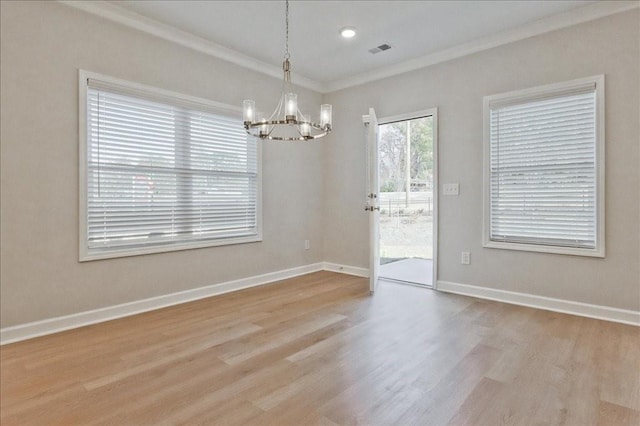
(407,116)
(67,322)
(600,164)
(541,248)
(545,303)
(82,164)
(594,82)
(551,23)
(436,203)
(546,90)
(136,21)
(127,87)
(165,247)
(541,26)
(346,269)
(433,112)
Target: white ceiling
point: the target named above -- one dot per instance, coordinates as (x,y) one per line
(414,29)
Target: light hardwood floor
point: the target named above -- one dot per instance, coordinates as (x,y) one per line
(319,349)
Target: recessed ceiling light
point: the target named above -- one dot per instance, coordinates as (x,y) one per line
(348,32)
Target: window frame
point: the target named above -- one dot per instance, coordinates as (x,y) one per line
(531,94)
(151,93)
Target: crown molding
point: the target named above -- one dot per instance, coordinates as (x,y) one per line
(139,22)
(541,26)
(136,21)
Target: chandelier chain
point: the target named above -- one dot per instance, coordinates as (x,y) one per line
(287,54)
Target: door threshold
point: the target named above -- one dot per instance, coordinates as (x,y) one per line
(414,284)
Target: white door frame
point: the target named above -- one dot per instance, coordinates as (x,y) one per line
(410,116)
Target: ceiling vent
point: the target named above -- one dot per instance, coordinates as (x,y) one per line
(380,48)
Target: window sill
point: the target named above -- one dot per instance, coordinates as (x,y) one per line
(98,254)
(572,251)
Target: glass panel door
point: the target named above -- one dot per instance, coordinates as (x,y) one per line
(406,174)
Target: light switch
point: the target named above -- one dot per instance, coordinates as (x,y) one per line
(451,189)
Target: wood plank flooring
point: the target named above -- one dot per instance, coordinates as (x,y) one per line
(319,350)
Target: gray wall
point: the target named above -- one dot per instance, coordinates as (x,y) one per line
(607,46)
(311,191)
(42,47)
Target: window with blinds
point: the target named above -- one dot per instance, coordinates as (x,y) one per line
(164,172)
(544,159)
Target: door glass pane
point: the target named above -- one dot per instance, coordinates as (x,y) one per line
(406,192)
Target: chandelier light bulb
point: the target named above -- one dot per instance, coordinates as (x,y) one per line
(325,115)
(263,127)
(248,111)
(305,128)
(291,105)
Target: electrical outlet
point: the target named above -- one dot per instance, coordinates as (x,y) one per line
(307,246)
(465,258)
(451,189)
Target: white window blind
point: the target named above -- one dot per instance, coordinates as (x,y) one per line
(165,173)
(543,175)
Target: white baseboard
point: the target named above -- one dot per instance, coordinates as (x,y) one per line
(346,269)
(54,325)
(67,322)
(546,303)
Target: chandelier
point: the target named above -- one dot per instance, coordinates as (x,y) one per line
(286,123)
